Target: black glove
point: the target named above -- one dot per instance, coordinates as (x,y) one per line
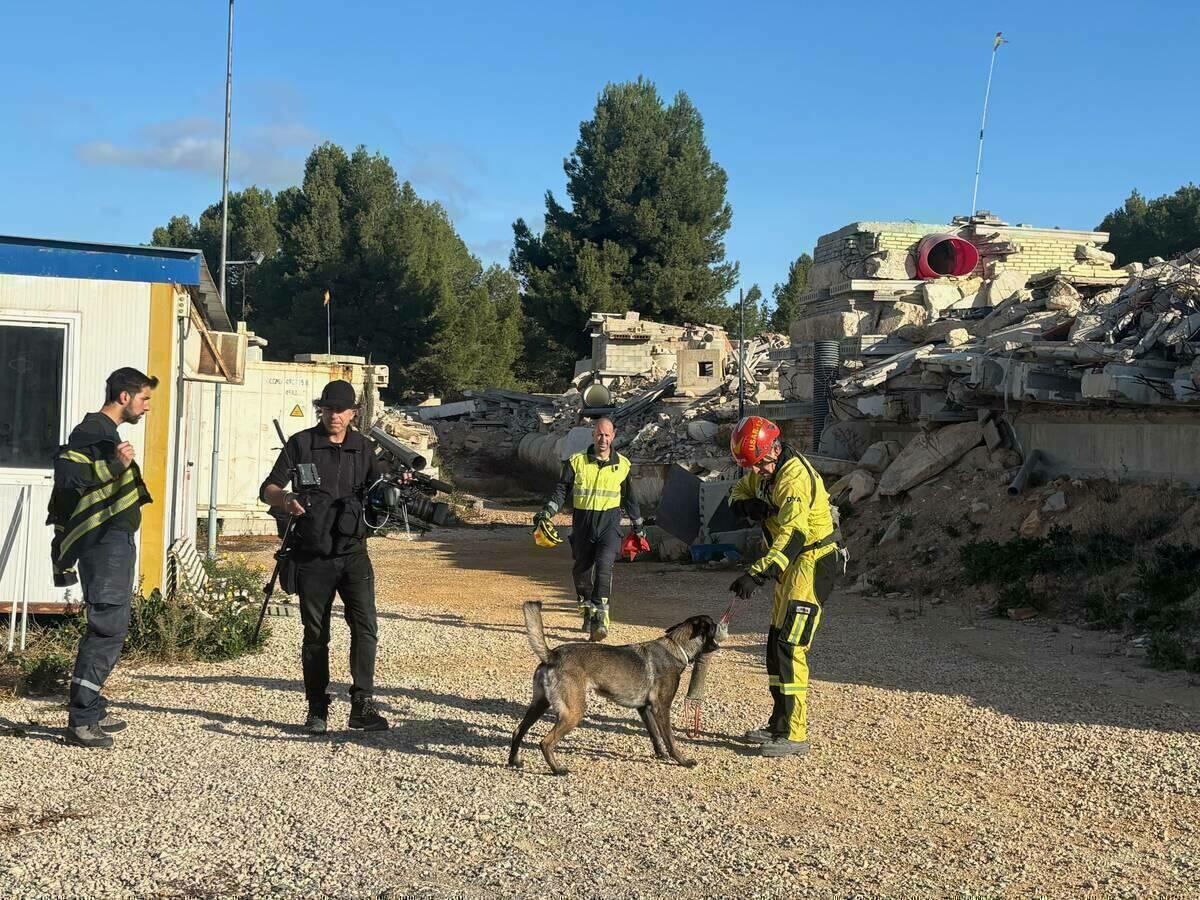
(754,508)
(539,518)
(746,585)
(639,528)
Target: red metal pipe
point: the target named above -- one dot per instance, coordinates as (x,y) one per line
(945,254)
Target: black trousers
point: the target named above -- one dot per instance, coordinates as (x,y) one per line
(106,572)
(594,558)
(353,579)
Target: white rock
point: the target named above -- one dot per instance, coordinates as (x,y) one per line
(702,431)
(1056,502)
(1003,286)
(940,295)
(957,337)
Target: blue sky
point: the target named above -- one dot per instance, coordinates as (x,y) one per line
(821,114)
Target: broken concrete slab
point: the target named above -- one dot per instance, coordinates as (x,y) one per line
(879,456)
(1062,295)
(1090,253)
(862,485)
(940,295)
(928,454)
(901,314)
(991,435)
(1004,286)
(702,431)
(977,459)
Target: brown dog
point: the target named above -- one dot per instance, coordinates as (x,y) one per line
(641,676)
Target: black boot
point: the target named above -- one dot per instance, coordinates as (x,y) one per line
(364,715)
(317,722)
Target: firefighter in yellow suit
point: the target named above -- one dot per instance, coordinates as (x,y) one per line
(785,494)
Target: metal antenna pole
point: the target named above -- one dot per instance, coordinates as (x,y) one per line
(982,125)
(212,487)
(741,355)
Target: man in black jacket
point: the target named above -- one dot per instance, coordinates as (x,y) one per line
(331,552)
(95,508)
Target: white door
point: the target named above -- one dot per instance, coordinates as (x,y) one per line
(37,392)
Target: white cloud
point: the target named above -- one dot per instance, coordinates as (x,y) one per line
(271,155)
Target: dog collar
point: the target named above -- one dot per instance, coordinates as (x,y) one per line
(682,656)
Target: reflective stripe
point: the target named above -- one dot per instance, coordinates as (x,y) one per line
(96,518)
(104,492)
(102,470)
(597,487)
(76,456)
(83,682)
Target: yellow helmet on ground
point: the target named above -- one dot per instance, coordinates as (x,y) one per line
(546,535)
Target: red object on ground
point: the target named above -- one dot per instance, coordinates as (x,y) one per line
(632,545)
(945,254)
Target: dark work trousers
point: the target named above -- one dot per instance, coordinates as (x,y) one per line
(106,572)
(597,552)
(353,579)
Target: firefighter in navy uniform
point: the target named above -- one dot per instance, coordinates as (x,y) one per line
(784,492)
(95,510)
(597,482)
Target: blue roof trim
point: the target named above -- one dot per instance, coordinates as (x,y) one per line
(107,262)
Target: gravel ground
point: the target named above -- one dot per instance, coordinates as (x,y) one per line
(953,756)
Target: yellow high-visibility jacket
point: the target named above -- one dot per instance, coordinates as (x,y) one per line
(801,520)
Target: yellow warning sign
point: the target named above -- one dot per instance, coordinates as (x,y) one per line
(297,411)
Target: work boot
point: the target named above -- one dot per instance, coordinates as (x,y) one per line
(585,610)
(599,629)
(90,736)
(364,715)
(317,722)
(781,746)
(112,725)
(762,735)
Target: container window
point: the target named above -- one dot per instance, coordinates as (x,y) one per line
(31,404)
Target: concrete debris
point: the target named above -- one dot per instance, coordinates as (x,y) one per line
(1032,526)
(861,484)
(1090,253)
(892,532)
(1055,503)
(928,454)
(879,456)
(956,337)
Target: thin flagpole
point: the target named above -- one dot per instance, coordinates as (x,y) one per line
(982,125)
(328,328)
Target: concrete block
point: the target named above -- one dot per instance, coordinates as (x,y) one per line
(940,295)
(991,435)
(928,454)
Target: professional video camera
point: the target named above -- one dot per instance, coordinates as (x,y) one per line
(393,497)
(304,477)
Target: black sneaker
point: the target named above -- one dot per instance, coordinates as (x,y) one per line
(364,715)
(112,725)
(90,736)
(316,723)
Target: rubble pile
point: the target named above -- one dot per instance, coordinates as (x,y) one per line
(667,407)
(1062,338)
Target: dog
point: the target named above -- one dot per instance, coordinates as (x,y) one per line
(641,676)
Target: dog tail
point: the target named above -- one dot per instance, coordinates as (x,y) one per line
(533,630)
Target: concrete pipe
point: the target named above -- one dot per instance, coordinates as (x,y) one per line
(945,254)
(541,452)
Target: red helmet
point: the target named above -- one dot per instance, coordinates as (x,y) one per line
(752,440)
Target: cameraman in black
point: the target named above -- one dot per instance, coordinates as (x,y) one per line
(330,552)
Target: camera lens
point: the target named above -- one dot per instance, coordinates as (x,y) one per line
(428,511)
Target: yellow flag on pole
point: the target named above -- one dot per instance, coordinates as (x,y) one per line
(327,298)
(999,40)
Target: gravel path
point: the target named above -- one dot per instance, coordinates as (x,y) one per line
(954,756)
